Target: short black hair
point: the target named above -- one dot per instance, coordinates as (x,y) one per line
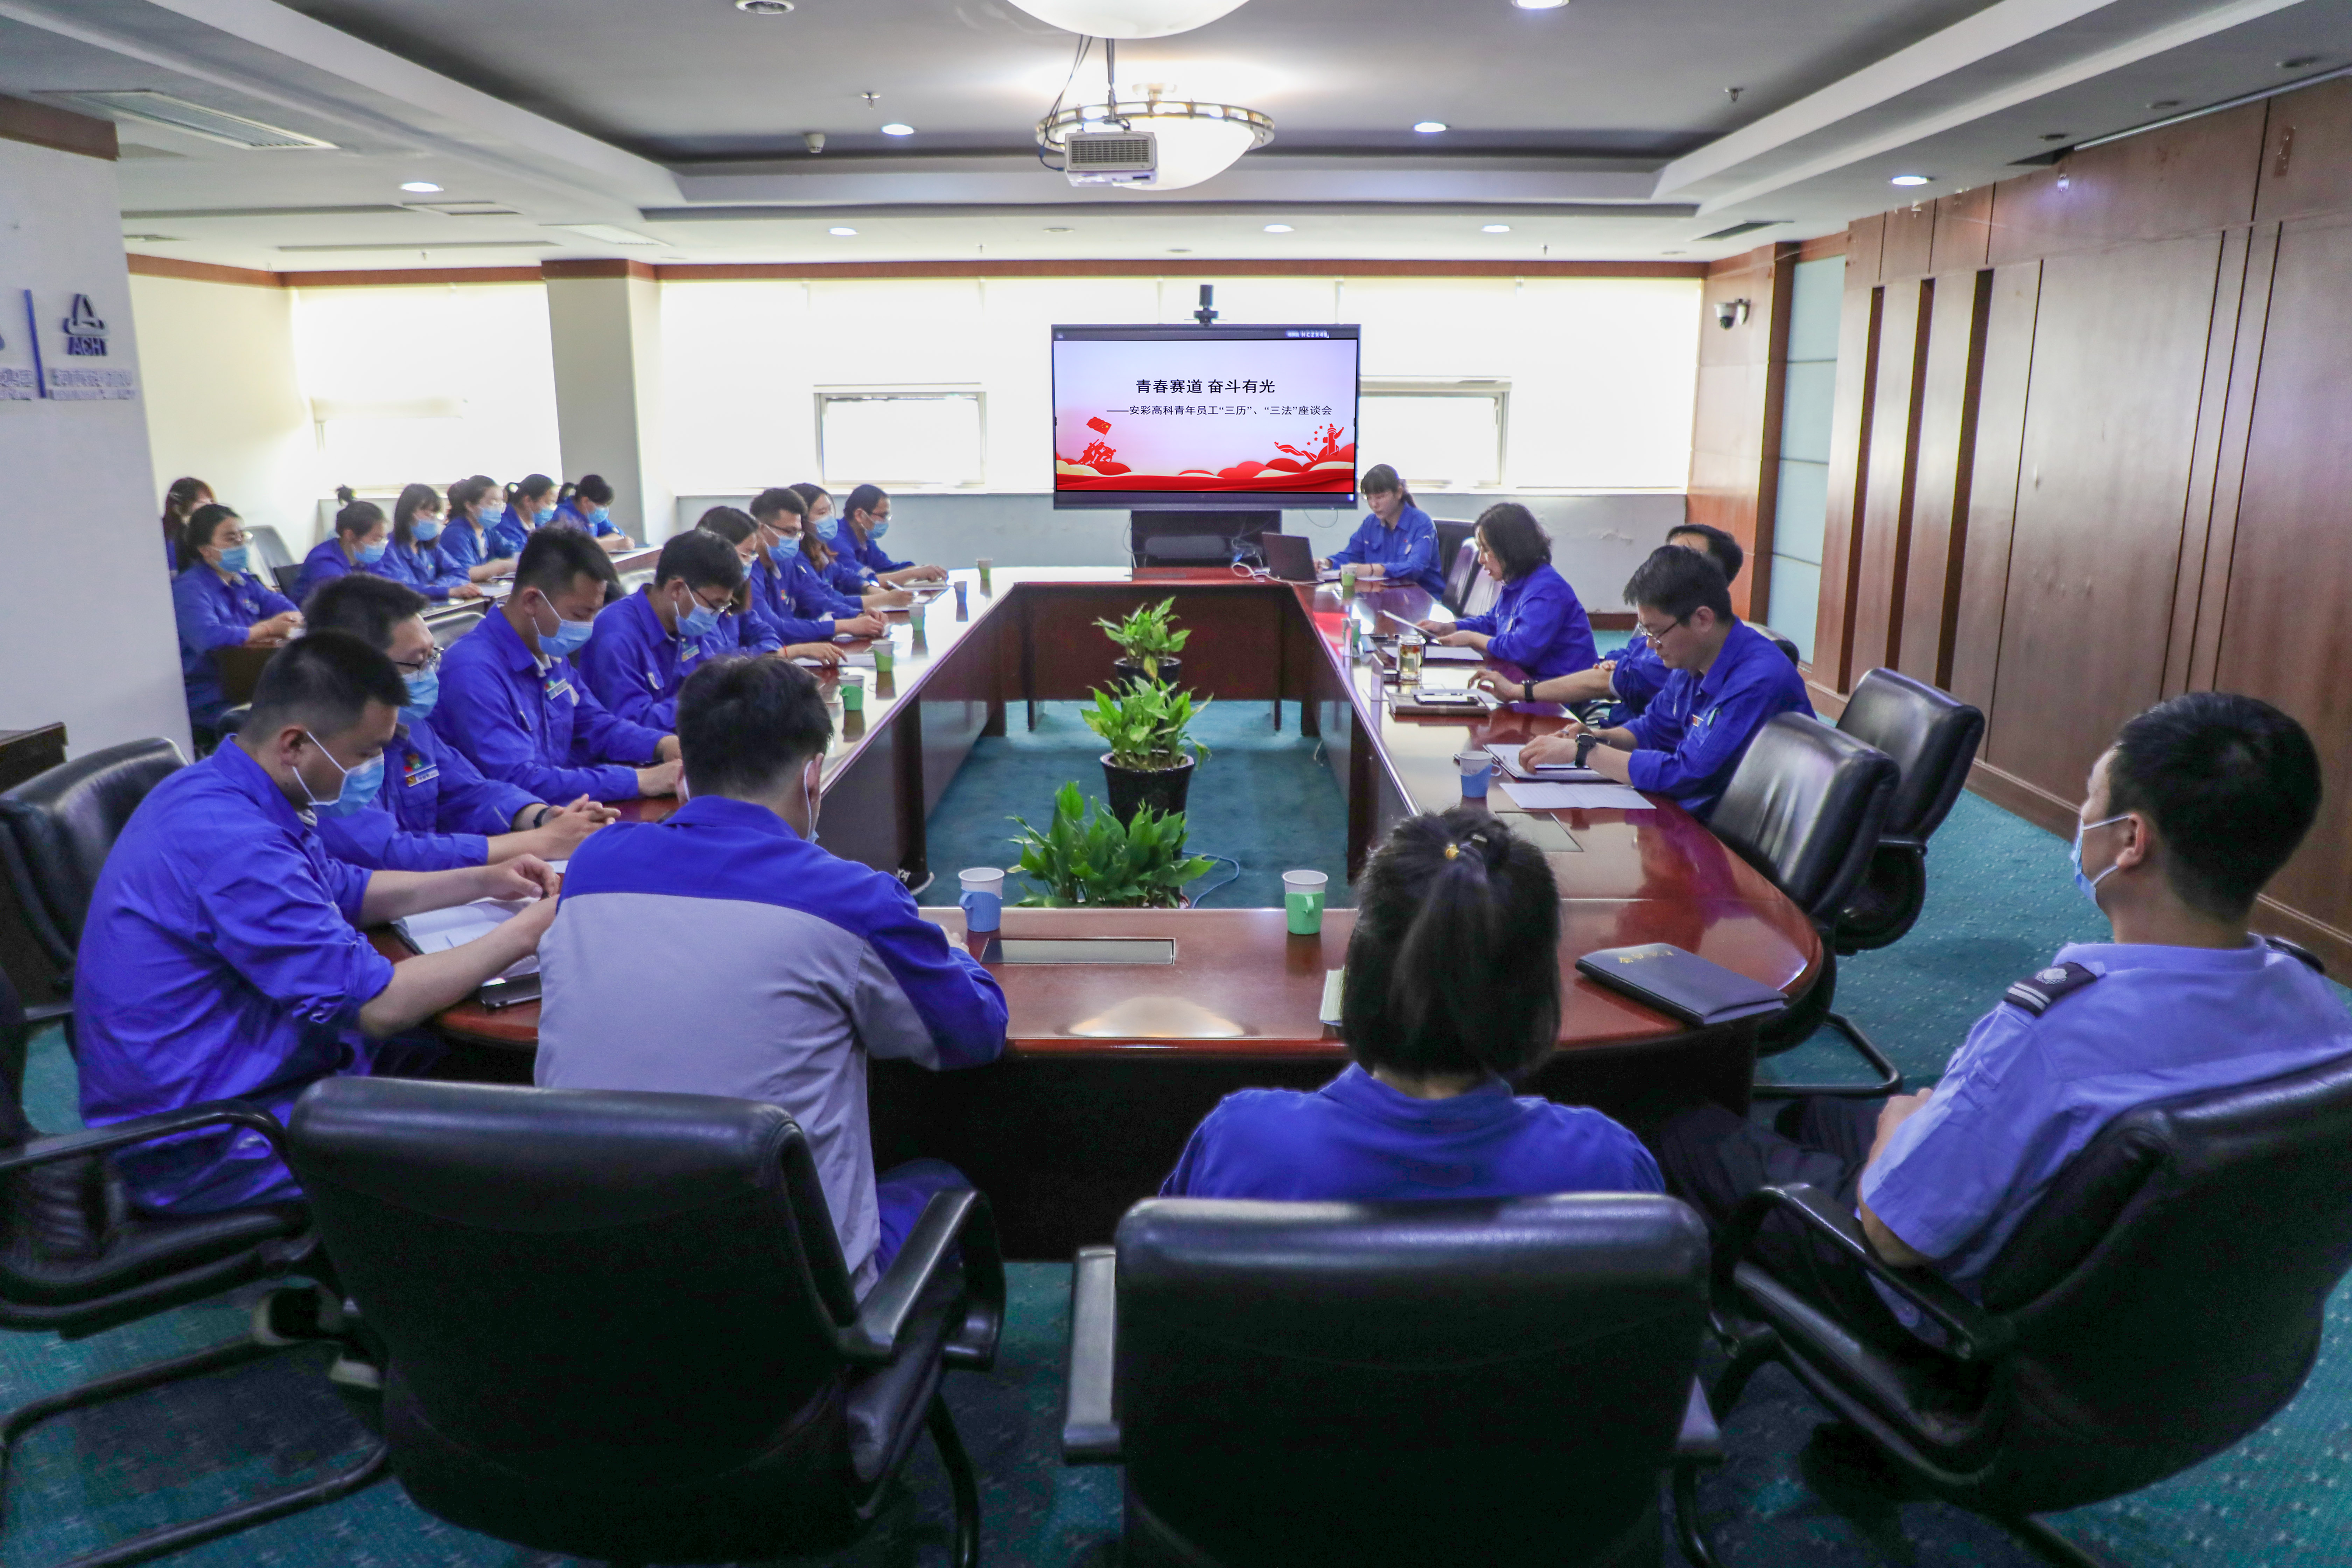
(1515,536)
(744,725)
(730,523)
(594,488)
(1454,964)
(1719,544)
(704,560)
(198,530)
(553,557)
(322,681)
(865,498)
(777,499)
(1679,582)
(2232,785)
(363,604)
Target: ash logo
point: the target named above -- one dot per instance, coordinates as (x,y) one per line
(85,333)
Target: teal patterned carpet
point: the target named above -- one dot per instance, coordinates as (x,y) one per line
(2000,901)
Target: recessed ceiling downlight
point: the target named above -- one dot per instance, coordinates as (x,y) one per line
(1909,180)
(896,128)
(841,229)
(1494,228)
(420,187)
(1429,127)
(764,8)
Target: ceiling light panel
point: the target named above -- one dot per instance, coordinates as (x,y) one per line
(212,124)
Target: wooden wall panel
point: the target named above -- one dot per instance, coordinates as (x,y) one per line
(2207,457)
(1735,422)
(1910,245)
(1857,389)
(2286,636)
(2305,169)
(1946,469)
(2118,364)
(2230,465)
(1886,543)
(2185,179)
(1865,238)
(1963,230)
(2001,402)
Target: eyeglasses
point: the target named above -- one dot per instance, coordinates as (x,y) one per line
(431,657)
(1656,638)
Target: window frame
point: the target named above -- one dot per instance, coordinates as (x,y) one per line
(1493,389)
(931,392)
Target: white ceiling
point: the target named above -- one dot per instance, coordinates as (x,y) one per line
(1600,130)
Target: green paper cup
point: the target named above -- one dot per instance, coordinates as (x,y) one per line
(852,691)
(1348,582)
(1302,901)
(885,658)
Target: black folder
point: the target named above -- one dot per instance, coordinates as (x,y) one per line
(1661,975)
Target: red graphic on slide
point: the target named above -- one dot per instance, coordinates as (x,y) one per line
(1331,467)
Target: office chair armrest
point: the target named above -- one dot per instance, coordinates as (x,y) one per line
(1700,1441)
(1090,1433)
(873,1339)
(141,1130)
(44,1013)
(1969,1331)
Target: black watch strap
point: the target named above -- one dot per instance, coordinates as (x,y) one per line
(1584,745)
(1529,686)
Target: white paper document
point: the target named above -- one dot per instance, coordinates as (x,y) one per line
(437,930)
(1437,653)
(1559,773)
(1333,981)
(1532,796)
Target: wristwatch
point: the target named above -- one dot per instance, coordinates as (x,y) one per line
(1584,745)
(1527,687)
(541,820)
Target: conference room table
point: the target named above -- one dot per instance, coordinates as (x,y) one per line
(1110,1065)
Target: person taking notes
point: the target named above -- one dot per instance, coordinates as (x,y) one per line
(646,645)
(1397,542)
(1536,622)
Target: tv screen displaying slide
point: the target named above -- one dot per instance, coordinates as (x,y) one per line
(1224,417)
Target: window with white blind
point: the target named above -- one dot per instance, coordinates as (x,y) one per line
(1436,439)
(900,438)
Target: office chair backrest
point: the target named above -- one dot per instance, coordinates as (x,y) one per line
(1452,535)
(288,578)
(448,629)
(268,546)
(1932,736)
(1475,1381)
(1461,576)
(56,827)
(1787,646)
(2169,1289)
(1807,805)
(578,1287)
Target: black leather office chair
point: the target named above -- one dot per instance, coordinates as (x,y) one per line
(55,831)
(1452,535)
(287,577)
(77,1261)
(618,1324)
(1933,737)
(1461,576)
(1487,1382)
(1806,806)
(1783,644)
(2164,1298)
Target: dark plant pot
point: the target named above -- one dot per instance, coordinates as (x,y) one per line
(1130,671)
(1162,789)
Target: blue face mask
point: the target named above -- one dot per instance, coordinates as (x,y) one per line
(361,785)
(426,529)
(698,622)
(782,554)
(878,528)
(542,517)
(2089,886)
(826,527)
(371,553)
(236,558)
(568,638)
(599,516)
(423,691)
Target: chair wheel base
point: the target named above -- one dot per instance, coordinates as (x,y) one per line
(1889,1081)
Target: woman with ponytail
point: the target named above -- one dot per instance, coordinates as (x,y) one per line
(180,503)
(362,535)
(416,558)
(1396,541)
(1451,995)
(466,544)
(531,506)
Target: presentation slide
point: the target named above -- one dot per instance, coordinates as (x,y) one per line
(1224,415)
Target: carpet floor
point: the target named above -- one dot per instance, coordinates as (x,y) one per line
(2000,901)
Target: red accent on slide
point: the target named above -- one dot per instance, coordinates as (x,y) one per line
(1098,424)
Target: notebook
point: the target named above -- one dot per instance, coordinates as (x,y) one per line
(437,930)
(1561,773)
(1683,985)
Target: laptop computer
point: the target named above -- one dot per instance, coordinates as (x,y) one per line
(1288,556)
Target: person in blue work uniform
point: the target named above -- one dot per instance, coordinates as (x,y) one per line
(1452,994)
(842,577)
(415,557)
(868,509)
(218,603)
(531,506)
(748,628)
(722,952)
(180,499)
(223,956)
(361,537)
(435,810)
(464,541)
(588,506)
(2197,804)
(512,701)
(1395,543)
(789,586)
(1536,623)
(646,645)
(1632,673)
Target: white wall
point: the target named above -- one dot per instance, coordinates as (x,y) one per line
(223,401)
(86,632)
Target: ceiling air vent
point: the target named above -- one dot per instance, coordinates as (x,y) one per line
(1750,226)
(212,124)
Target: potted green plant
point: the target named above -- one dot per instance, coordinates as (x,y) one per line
(1152,758)
(1147,643)
(1088,857)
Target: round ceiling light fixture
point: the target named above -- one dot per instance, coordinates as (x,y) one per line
(1279,228)
(841,229)
(896,128)
(1429,127)
(764,8)
(1539,4)
(1909,180)
(1128,18)
(1197,142)
(421,187)
(1494,228)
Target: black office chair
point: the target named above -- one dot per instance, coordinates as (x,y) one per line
(289,577)
(1452,535)
(1460,576)
(1933,737)
(1782,643)
(269,549)
(77,1261)
(1806,806)
(618,1325)
(1487,1382)
(55,831)
(2164,1298)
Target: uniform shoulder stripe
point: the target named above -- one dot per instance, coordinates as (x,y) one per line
(2046,989)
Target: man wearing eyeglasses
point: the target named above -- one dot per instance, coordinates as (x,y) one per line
(644,647)
(1727,682)
(435,810)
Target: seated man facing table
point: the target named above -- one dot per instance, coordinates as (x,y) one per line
(1397,543)
(223,959)
(812,586)
(869,518)
(1632,675)
(512,702)
(1452,992)
(1728,680)
(722,951)
(646,645)
(1536,623)
(747,627)
(2197,804)
(435,810)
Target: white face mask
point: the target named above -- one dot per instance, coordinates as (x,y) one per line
(808,800)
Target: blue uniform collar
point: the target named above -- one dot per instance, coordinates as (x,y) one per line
(2105,957)
(1738,647)
(507,642)
(1490,1102)
(253,781)
(723,811)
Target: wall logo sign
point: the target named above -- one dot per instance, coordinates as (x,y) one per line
(73,361)
(85,333)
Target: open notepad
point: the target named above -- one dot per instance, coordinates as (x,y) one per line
(1559,772)
(437,930)
(1534,796)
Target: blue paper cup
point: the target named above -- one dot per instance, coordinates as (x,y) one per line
(1478,772)
(983,898)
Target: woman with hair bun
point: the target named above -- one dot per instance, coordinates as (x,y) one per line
(588,506)
(1451,995)
(361,537)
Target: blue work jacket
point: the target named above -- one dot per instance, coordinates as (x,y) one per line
(1636,678)
(1538,625)
(868,555)
(509,534)
(327,562)
(435,811)
(463,546)
(536,727)
(795,601)
(570,513)
(422,567)
(1407,553)
(1694,732)
(210,614)
(635,666)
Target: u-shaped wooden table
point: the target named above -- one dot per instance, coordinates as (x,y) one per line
(1111,1065)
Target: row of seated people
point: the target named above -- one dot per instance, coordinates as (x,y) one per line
(724,951)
